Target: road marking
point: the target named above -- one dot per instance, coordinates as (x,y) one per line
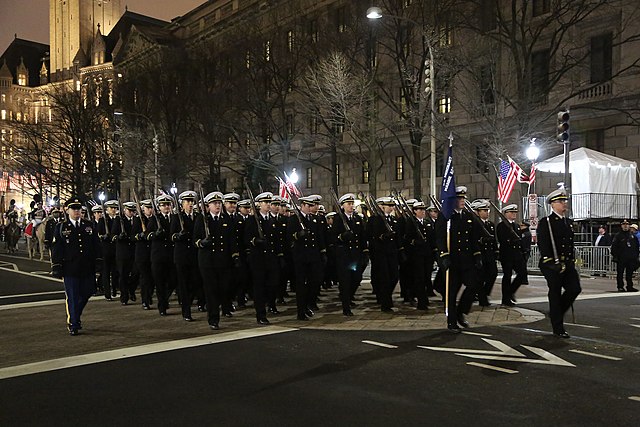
(635,318)
(31,274)
(636,326)
(124,353)
(495,368)
(30,304)
(595,355)
(31,295)
(40,273)
(532,300)
(8,264)
(26,258)
(636,398)
(582,326)
(503,349)
(379,344)
(478,334)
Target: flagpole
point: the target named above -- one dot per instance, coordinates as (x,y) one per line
(447,272)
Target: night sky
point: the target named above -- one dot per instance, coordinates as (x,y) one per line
(30,18)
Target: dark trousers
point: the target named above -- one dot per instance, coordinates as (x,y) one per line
(110,278)
(188,284)
(386,277)
(419,267)
(559,302)
(126,279)
(349,269)
(625,273)
(462,272)
(487,278)
(78,290)
(146,282)
(406,276)
(164,278)
(308,273)
(265,271)
(509,287)
(215,282)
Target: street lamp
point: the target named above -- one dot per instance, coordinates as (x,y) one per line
(101,197)
(376,13)
(155,145)
(293,177)
(533,151)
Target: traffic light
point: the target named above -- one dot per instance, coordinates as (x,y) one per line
(563,126)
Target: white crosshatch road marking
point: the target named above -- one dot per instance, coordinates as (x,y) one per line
(379,344)
(493,368)
(602,356)
(506,354)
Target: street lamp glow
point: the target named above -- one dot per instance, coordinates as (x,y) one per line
(294,176)
(374,13)
(533,152)
(174,190)
(101,197)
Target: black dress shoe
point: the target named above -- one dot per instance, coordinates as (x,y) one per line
(563,334)
(347,312)
(73,332)
(281,301)
(108,298)
(188,319)
(314,307)
(422,307)
(163,313)
(273,310)
(145,306)
(264,321)
(124,303)
(632,289)
(133,297)
(201,308)
(352,304)
(454,328)
(302,318)
(214,326)
(114,294)
(484,303)
(509,303)
(431,294)
(308,312)
(387,310)
(228,314)
(462,321)
(620,289)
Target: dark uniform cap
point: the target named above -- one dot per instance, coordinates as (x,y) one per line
(461,191)
(277,200)
(146,203)
(267,196)
(214,196)
(73,203)
(307,200)
(385,201)
(557,195)
(330,214)
(231,197)
(129,205)
(625,221)
(96,208)
(163,199)
(316,198)
(418,205)
(111,203)
(187,195)
(480,204)
(510,208)
(245,203)
(432,208)
(322,209)
(410,202)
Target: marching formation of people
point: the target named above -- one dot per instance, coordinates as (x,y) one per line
(217,251)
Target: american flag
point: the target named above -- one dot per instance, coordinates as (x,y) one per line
(290,186)
(5,182)
(509,173)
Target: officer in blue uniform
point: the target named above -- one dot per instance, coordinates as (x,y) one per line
(75,255)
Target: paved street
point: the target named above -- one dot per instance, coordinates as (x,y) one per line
(404,369)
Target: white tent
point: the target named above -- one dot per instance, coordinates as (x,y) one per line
(602,186)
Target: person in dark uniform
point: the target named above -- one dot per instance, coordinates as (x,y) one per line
(185,254)
(244,285)
(124,238)
(50,227)
(276,296)
(110,279)
(557,260)
(318,215)
(420,244)
(281,213)
(438,282)
(624,252)
(264,252)
(238,276)
(162,266)
(385,244)
(351,250)
(75,256)
(143,253)
(308,251)
(217,254)
(462,258)
(96,213)
(511,255)
(405,272)
(489,248)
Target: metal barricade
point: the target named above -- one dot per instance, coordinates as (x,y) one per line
(590,260)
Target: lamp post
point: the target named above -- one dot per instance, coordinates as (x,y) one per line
(376,13)
(293,177)
(532,154)
(155,145)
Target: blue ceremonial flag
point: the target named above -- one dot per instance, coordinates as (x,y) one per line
(448,192)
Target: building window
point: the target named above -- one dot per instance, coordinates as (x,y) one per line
(444,104)
(290,80)
(540,74)
(291,40)
(407,3)
(482,162)
(372,53)
(487,85)
(342,19)
(313,30)
(365,172)
(3,98)
(444,34)
(338,174)
(601,58)
(338,128)
(3,114)
(399,168)
(540,7)
(289,124)
(488,13)
(267,51)
(309,178)
(22,79)
(313,125)
(247,59)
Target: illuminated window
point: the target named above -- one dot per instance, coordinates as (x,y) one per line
(365,172)
(313,125)
(399,168)
(3,115)
(3,98)
(247,59)
(338,173)
(267,51)
(291,40)
(444,105)
(313,30)
(22,79)
(309,178)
